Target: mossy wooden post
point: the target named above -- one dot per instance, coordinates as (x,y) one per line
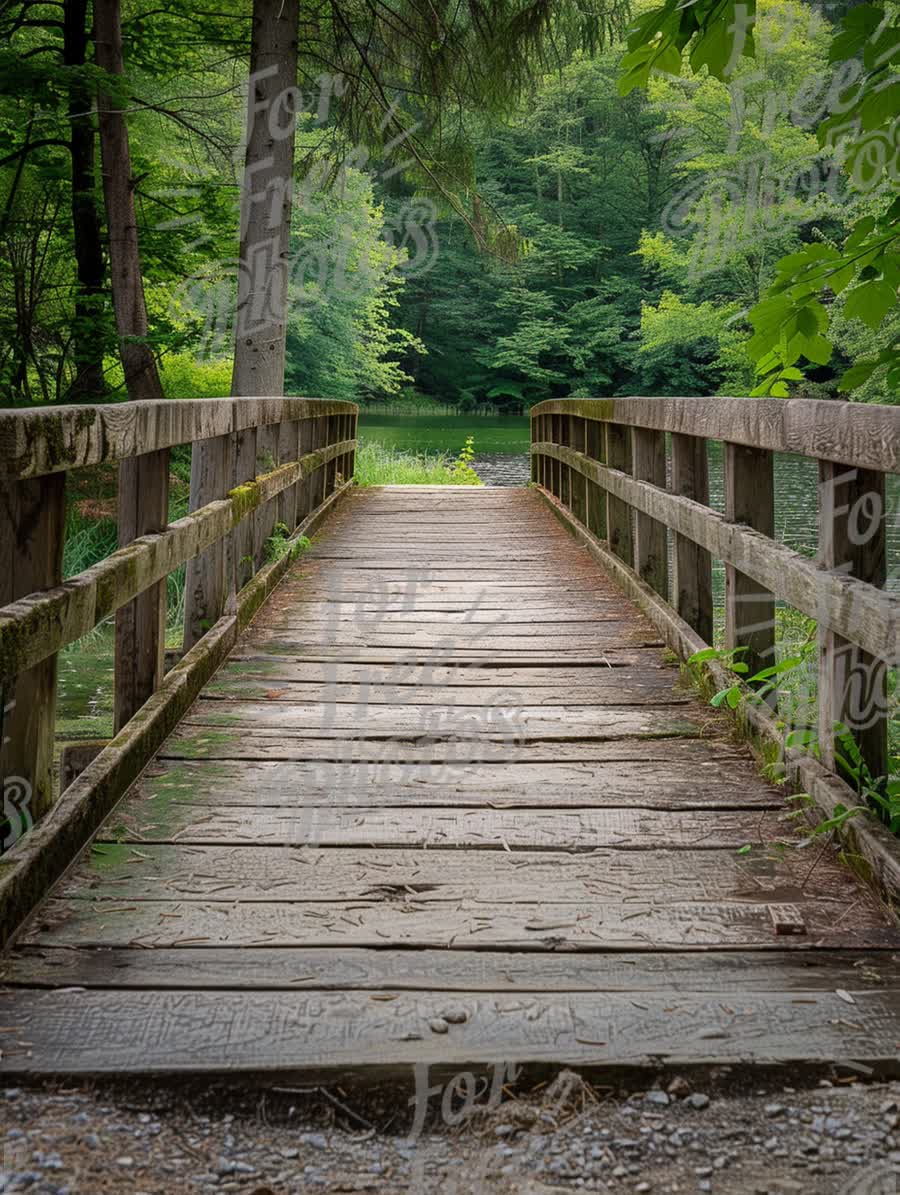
(596,504)
(32,529)
(288,450)
(207,584)
(650,544)
(143,506)
(534,424)
(749,607)
(565,474)
(546,435)
(693,564)
(618,513)
(852,542)
(245,450)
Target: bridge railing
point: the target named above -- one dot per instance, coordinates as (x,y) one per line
(634,473)
(255,463)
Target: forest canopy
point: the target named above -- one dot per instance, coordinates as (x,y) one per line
(492,204)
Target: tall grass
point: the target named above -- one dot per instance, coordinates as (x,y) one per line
(377,464)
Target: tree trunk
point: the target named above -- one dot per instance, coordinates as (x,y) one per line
(143,480)
(87,337)
(260,323)
(141,375)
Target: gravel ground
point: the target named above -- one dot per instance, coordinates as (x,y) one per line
(709,1134)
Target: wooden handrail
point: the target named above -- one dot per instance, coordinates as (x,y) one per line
(307,448)
(857,434)
(41,440)
(604,462)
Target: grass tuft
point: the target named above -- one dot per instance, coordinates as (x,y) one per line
(376,464)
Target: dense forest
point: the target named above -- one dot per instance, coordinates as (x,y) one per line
(546,200)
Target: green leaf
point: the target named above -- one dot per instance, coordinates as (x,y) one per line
(870,302)
(818,350)
(857,27)
(879,107)
(857,374)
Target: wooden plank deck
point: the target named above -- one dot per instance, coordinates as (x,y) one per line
(448,802)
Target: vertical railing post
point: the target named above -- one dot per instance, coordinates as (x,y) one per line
(595,448)
(693,564)
(244,451)
(143,507)
(749,607)
(557,438)
(267,437)
(305,503)
(288,450)
(565,474)
(534,432)
(208,580)
(578,481)
(354,435)
(852,688)
(32,531)
(618,513)
(651,556)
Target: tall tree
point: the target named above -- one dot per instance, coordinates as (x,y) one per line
(141,374)
(87,342)
(261,318)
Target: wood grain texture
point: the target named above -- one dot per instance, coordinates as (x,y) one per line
(35,442)
(440,764)
(142,507)
(868,438)
(349,1034)
(32,529)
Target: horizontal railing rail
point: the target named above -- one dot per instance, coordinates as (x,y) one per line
(610,464)
(255,463)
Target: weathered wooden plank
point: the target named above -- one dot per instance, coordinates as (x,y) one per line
(693,565)
(35,442)
(123,874)
(803,971)
(654,784)
(461,924)
(309,643)
(523,723)
(143,506)
(653,689)
(350,1033)
(355,824)
(866,437)
(750,607)
(32,531)
(852,608)
(639,661)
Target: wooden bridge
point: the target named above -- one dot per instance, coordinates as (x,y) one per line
(444,795)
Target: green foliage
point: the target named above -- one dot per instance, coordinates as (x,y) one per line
(377,464)
(791,323)
(280,544)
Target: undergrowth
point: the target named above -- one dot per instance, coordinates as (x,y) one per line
(376,464)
